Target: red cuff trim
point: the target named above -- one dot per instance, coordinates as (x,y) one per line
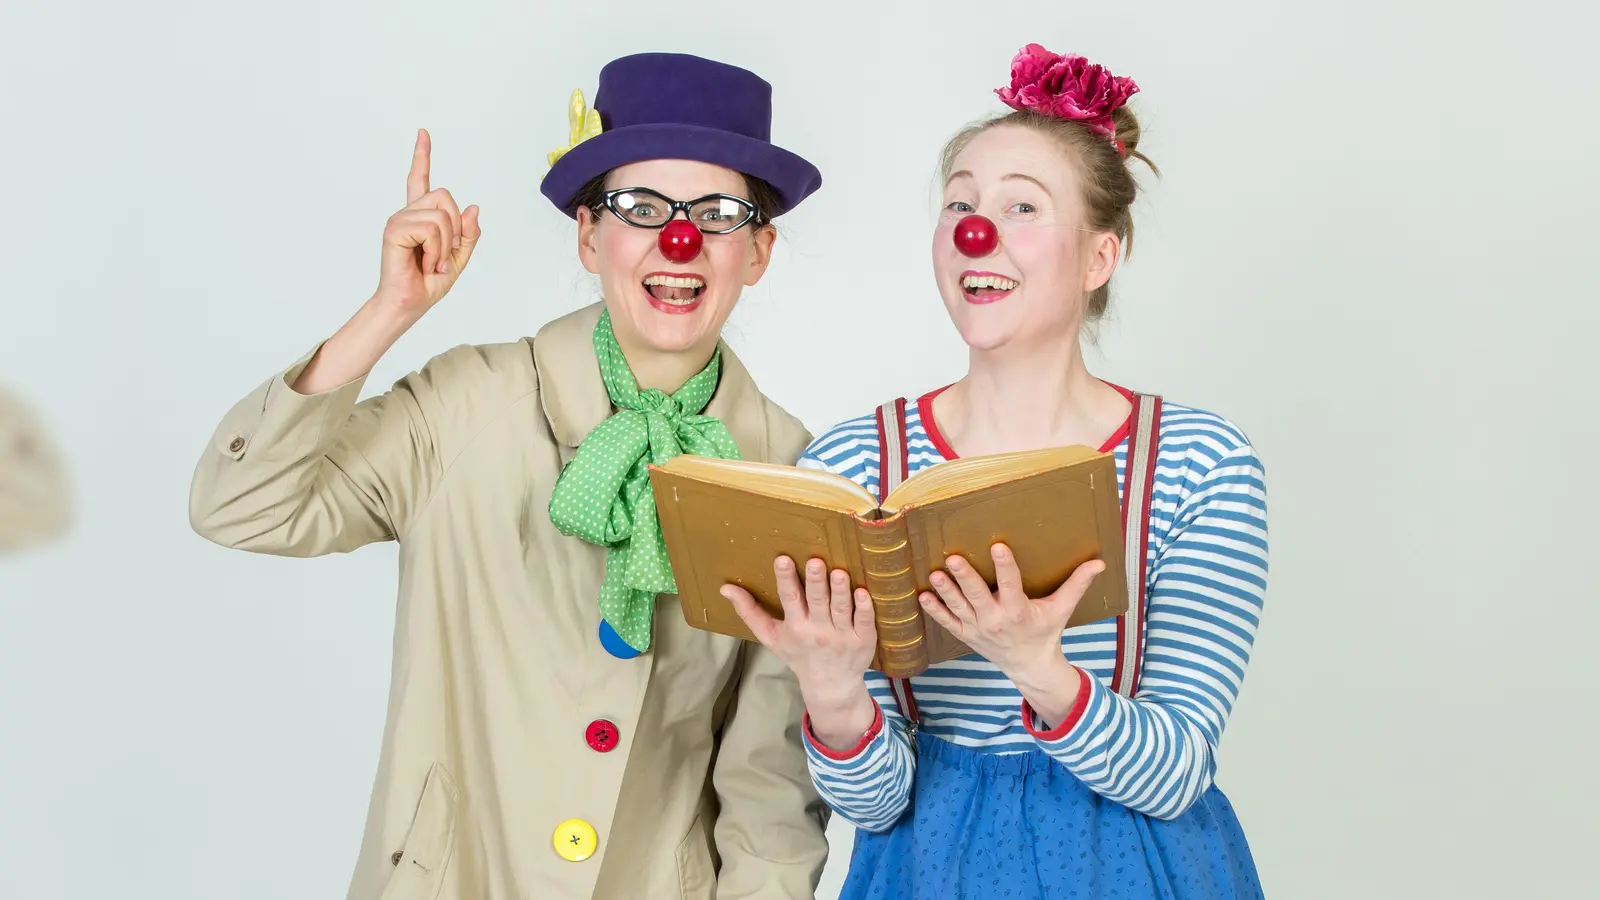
(853,752)
(1074,715)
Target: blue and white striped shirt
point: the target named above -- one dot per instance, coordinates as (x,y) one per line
(1206,573)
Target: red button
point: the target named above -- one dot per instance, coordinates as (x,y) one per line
(602,736)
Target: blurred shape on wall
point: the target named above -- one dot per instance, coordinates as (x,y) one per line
(35,506)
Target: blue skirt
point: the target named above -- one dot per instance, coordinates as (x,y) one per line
(1021,827)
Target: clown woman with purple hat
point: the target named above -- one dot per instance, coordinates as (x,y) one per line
(552,732)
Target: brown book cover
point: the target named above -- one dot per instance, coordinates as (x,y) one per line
(725,521)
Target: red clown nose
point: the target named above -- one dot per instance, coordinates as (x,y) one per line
(680,241)
(975,236)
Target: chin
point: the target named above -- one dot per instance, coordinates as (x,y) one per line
(675,337)
(984,327)
(985,336)
(1008,322)
(671,327)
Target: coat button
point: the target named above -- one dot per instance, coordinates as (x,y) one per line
(394,859)
(575,840)
(602,736)
(237,445)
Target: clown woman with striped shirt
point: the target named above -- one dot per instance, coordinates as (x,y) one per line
(1052,762)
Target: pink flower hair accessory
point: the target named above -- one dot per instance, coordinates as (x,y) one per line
(1067,87)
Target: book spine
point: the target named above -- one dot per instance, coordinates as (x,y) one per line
(886,561)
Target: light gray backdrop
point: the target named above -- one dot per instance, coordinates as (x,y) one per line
(1372,247)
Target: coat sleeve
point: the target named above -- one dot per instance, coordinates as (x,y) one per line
(292,474)
(771,830)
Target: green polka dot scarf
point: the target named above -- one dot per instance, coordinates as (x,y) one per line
(603,495)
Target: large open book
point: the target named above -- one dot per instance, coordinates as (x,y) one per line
(726,521)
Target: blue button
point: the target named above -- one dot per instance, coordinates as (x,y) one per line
(614,643)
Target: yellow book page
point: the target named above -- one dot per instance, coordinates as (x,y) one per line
(967,475)
(807,486)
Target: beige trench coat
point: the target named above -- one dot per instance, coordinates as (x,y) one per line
(498,672)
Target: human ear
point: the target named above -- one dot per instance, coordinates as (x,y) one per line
(762,239)
(588,240)
(1104,252)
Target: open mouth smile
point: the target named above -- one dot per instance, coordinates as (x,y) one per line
(675,294)
(986,287)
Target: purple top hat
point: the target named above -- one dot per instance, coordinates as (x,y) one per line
(677,106)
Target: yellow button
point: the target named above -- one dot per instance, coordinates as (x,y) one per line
(575,840)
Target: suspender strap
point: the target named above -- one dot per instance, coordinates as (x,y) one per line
(893,468)
(1138,483)
(1138,486)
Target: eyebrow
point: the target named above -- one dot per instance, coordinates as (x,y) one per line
(1010,176)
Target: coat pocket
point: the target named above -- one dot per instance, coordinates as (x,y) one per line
(421,863)
(697,872)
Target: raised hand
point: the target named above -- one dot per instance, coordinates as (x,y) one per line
(427,244)
(425,247)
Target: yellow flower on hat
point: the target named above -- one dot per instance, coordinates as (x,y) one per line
(584,123)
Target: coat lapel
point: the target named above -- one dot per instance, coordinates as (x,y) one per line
(575,398)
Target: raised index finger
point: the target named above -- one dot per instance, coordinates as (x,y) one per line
(417,179)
